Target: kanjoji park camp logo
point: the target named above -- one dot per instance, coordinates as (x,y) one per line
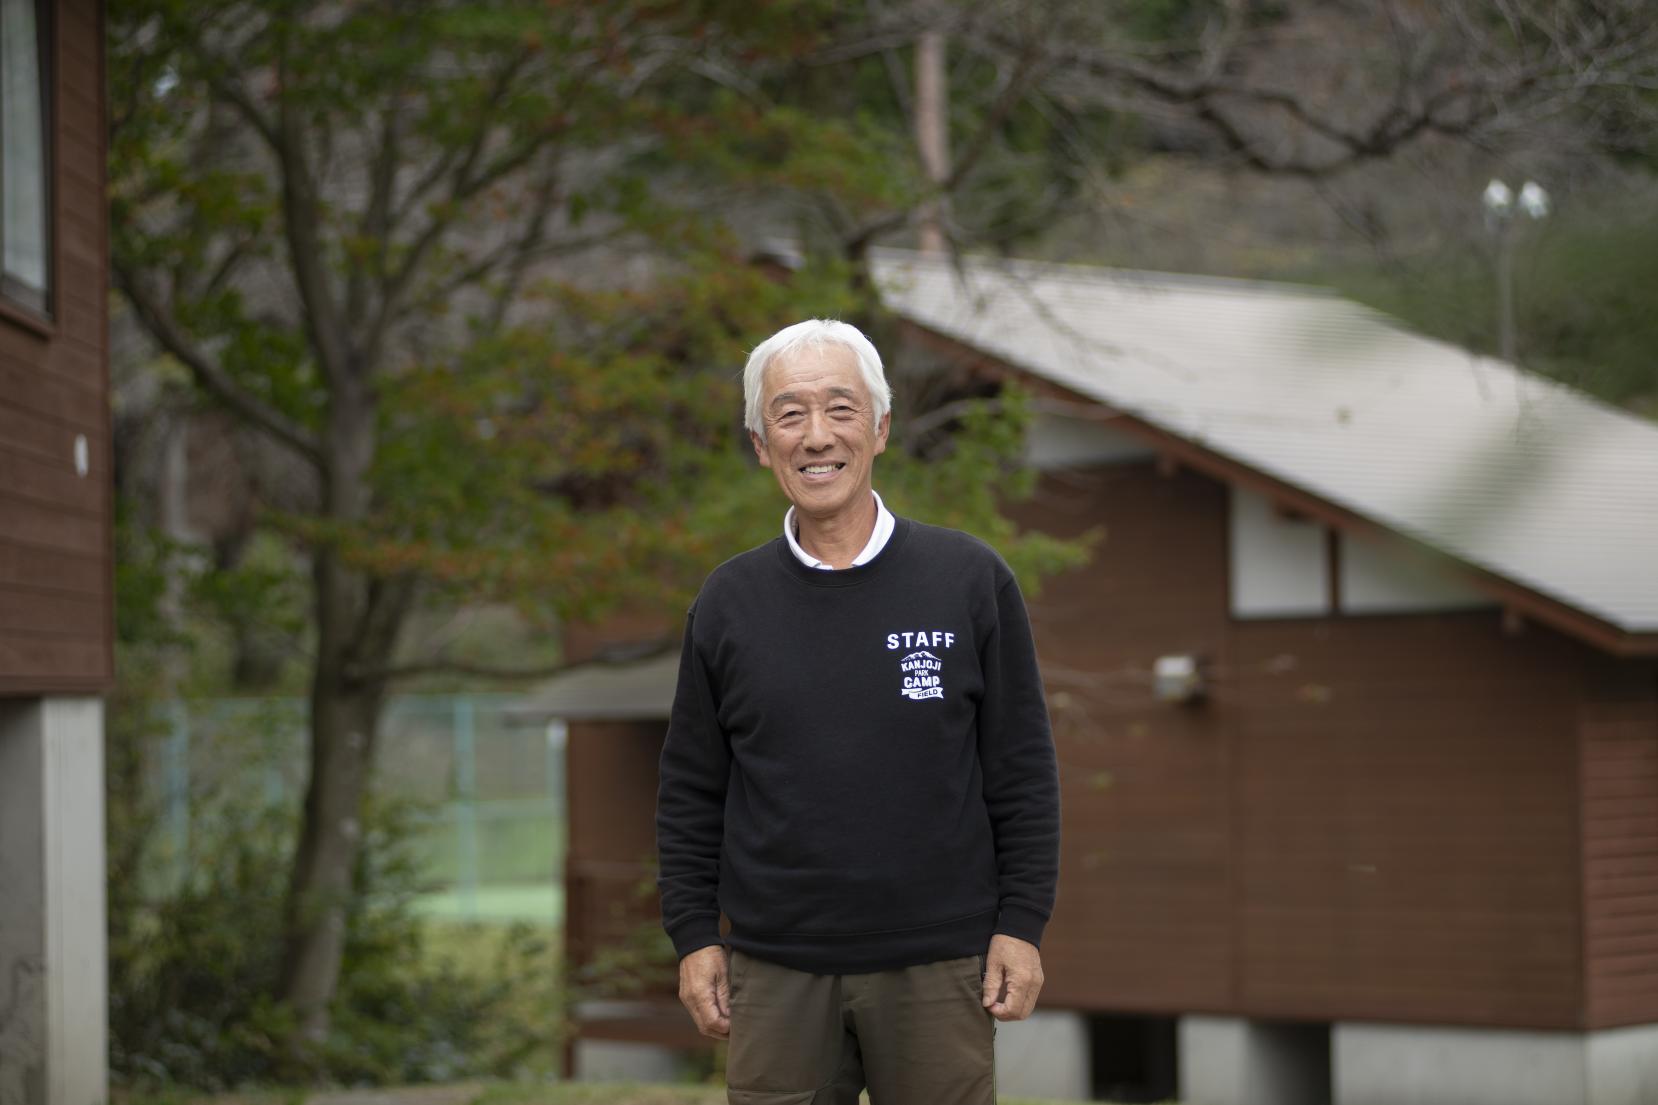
(921,670)
(921,676)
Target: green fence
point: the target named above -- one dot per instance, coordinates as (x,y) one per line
(491,836)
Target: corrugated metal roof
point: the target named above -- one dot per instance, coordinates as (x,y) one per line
(1501,468)
(638,690)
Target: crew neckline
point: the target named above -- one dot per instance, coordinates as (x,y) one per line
(844,577)
(878,537)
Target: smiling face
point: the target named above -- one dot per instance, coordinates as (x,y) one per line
(821,439)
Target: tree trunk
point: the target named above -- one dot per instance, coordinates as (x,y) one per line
(175,523)
(358,618)
(344,719)
(932,134)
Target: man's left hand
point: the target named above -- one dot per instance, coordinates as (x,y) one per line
(1012,977)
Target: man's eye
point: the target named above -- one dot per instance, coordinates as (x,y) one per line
(840,408)
(789,416)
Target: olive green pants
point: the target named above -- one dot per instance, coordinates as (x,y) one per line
(916,1035)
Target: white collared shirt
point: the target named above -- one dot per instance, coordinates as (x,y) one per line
(877,540)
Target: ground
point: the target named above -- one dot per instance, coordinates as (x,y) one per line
(474,1093)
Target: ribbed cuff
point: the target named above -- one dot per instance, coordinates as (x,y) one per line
(1025,924)
(695,932)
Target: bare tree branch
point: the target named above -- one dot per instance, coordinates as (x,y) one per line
(1220,39)
(451,665)
(527,246)
(445,166)
(921,424)
(1012,90)
(386,605)
(464,185)
(301,217)
(213,379)
(375,224)
(1534,65)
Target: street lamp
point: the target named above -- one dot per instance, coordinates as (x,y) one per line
(1533,200)
(1500,204)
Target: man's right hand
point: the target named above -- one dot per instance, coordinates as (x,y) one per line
(705,990)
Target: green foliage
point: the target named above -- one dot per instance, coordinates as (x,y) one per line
(637,1093)
(134,727)
(586,455)
(188,969)
(195,933)
(1172,20)
(143,560)
(405,1014)
(262,599)
(1582,303)
(968,485)
(193,969)
(556,429)
(641,963)
(1586,307)
(653,480)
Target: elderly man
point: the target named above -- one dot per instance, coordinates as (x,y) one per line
(858,770)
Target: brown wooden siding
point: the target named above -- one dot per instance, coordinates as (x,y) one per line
(610,870)
(56,594)
(1405,820)
(1412,818)
(1143,912)
(1371,817)
(1618,749)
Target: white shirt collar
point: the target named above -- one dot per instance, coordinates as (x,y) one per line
(877,540)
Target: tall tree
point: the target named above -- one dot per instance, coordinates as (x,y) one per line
(470,265)
(477,268)
(1050,98)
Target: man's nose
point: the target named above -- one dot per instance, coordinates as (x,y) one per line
(817,434)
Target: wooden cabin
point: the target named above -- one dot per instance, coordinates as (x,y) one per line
(1356,705)
(56,577)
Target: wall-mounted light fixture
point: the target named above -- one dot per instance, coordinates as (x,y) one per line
(1176,678)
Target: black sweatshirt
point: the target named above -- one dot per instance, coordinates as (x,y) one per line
(859,768)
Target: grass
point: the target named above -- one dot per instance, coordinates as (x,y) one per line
(477,949)
(538,903)
(605,1093)
(564,1093)
(498,841)
(641,1093)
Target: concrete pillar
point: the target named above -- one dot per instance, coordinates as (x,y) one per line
(1392,1064)
(53,948)
(627,1061)
(1623,1065)
(1045,1055)
(1235,1061)
(1383,1064)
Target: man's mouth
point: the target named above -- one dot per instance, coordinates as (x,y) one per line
(822,469)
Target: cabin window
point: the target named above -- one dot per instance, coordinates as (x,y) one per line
(1059,440)
(1280,565)
(1285,565)
(24,154)
(1382,578)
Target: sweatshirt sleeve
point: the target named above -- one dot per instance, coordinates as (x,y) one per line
(690,807)
(1021,774)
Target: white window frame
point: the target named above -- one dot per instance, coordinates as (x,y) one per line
(31,290)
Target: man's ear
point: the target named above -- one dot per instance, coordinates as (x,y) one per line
(881,433)
(760,449)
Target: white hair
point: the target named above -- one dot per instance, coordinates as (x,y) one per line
(814,333)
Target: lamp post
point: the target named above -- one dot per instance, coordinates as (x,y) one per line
(1500,203)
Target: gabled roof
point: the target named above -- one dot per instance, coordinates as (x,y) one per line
(1505,470)
(637,690)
